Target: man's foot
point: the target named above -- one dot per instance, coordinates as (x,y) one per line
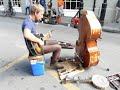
(57,65)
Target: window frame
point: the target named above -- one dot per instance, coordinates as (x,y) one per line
(1,3)
(16,3)
(70,2)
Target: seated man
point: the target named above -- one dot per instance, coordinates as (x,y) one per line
(53,18)
(28,28)
(54,13)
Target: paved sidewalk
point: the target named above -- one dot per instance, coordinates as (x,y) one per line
(108,26)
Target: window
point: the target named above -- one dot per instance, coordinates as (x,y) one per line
(1,2)
(17,3)
(34,1)
(71,4)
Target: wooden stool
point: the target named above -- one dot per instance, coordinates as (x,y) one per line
(38,58)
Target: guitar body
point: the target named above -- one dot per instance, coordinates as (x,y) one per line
(37,47)
(33,47)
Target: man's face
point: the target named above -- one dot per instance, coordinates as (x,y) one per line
(38,16)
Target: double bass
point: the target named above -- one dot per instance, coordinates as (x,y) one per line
(89,30)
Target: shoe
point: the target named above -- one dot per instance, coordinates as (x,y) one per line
(57,65)
(62,59)
(117,21)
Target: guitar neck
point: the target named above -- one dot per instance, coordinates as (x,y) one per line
(45,37)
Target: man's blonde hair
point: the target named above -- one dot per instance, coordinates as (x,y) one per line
(36,8)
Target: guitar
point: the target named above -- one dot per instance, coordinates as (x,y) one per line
(33,47)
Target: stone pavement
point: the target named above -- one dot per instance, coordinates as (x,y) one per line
(108,26)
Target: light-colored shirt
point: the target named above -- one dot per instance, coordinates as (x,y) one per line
(27,3)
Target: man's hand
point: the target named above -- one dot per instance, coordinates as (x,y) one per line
(41,43)
(50,34)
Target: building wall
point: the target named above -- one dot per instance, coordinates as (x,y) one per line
(110,11)
(88,5)
(17,8)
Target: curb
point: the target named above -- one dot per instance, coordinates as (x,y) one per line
(13,17)
(110,29)
(104,28)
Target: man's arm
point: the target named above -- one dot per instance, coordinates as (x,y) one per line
(28,35)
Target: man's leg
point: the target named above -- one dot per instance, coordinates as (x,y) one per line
(59,10)
(62,10)
(29,10)
(26,11)
(49,13)
(117,14)
(56,50)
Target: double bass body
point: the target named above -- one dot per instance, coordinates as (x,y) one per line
(89,30)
